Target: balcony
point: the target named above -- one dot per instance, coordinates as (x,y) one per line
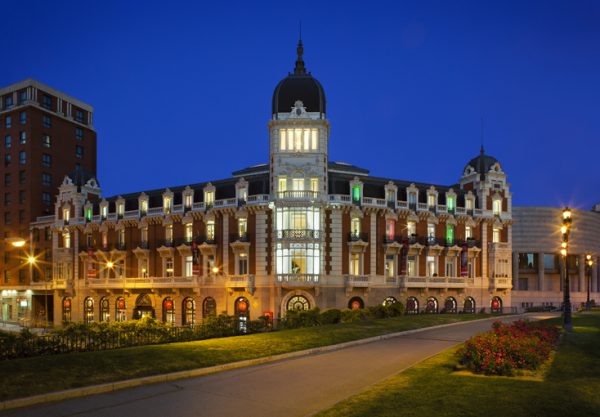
(436,282)
(358,236)
(239,237)
(142,282)
(358,281)
(240,281)
(501,283)
(298,280)
(298,195)
(298,234)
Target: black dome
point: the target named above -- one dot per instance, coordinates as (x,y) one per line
(482,163)
(299,86)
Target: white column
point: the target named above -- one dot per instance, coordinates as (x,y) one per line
(336,243)
(226,243)
(373,244)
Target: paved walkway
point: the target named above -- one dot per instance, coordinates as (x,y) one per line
(296,387)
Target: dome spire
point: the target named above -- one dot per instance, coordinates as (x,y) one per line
(300,69)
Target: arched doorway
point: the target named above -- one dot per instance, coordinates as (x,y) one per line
(450,305)
(356,303)
(412,305)
(66,309)
(168,310)
(143,307)
(88,310)
(469,306)
(209,308)
(120,309)
(496,305)
(104,309)
(188,308)
(389,301)
(242,313)
(431,307)
(298,303)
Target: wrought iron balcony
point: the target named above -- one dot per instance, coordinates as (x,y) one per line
(239,237)
(357,236)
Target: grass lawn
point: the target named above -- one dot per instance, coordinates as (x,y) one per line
(432,388)
(30,376)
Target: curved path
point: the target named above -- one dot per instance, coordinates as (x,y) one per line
(295,387)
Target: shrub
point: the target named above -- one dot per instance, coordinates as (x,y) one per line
(505,349)
(330,316)
(301,318)
(350,316)
(378,311)
(395,309)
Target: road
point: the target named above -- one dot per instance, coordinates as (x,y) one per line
(295,387)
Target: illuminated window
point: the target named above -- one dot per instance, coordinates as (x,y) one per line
(298,139)
(120,309)
(120,209)
(88,214)
(355,226)
(469,204)
(450,267)
(282,140)
(282,183)
(189,312)
(167,205)
(169,233)
(243,264)
(431,266)
(390,195)
(314,185)
(298,258)
(315,139)
(412,200)
(168,308)
(450,204)
(306,139)
(187,200)
(430,230)
(355,264)
(497,207)
(121,238)
(356,193)
(144,206)
(169,270)
(298,184)
(390,270)
(242,226)
(411,228)
(210,230)
(188,232)
(390,229)
(411,266)
(66,235)
(66,214)
(468,232)
(449,234)
(496,235)
(104,211)
(188,270)
(430,200)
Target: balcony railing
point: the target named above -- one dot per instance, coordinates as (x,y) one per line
(142,282)
(298,234)
(298,194)
(239,237)
(298,279)
(436,282)
(358,236)
(239,281)
(357,281)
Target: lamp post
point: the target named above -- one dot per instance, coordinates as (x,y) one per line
(589,263)
(564,251)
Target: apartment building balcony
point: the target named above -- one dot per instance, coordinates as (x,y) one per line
(358,281)
(245,282)
(298,195)
(298,234)
(501,283)
(239,237)
(358,237)
(298,280)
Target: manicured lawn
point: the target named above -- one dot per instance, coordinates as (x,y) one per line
(571,387)
(30,376)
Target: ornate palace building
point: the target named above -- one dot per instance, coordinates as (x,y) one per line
(298,232)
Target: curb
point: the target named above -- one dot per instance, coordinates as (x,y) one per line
(172,376)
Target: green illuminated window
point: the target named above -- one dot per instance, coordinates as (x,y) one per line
(450,204)
(449,234)
(356,193)
(88,214)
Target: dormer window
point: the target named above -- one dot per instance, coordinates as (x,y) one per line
(88,214)
(209,198)
(431,201)
(66,215)
(120,209)
(450,204)
(104,211)
(469,204)
(497,207)
(187,201)
(356,193)
(390,196)
(243,194)
(412,200)
(167,204)
(144,206)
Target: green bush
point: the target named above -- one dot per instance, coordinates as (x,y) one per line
(395,309)
(330,316)
(301,318)
(350,316)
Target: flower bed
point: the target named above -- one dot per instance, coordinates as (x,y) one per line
(506,349)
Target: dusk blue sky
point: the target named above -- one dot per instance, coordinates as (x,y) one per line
(182,91)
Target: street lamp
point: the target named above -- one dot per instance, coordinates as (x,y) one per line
(564,251)
(589,263)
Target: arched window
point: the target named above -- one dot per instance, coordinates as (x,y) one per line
(432,305)
(104,309)
(189,312)
(120,309)
(242,313)
(209,308)
(143,307)
(297,303)
(88,310)
(168,308)
(412,305)
(469,306)
(66,309)
(356,303)
(450,305)
(389,301)
(496,305)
